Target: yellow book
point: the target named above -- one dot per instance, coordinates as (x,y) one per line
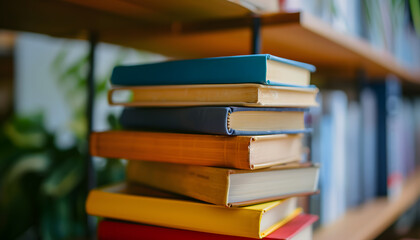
(145,205)
(252,95)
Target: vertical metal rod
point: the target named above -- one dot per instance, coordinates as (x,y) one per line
(256,35)
(90,171)
(93,38)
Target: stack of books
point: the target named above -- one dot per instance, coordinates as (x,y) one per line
(214,148)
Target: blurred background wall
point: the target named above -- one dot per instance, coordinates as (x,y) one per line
(43,134)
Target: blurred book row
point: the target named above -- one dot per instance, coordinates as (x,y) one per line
(366,147)
(214,148)
(393,26)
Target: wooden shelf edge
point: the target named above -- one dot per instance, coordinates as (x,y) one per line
(358,51)
(360,47)
(370,219)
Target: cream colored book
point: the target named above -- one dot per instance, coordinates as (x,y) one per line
(223,186)
(252,95)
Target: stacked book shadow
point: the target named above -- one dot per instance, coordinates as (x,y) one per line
(214,148)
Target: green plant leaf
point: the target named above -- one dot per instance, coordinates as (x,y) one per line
(64,178)
(28,163)
(26,132)
(74,69)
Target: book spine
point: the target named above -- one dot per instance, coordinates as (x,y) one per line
(195,149)
(369,144)
(207,120)
(389,174)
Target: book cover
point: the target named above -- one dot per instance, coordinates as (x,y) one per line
(219,70)
(112,229)
(369,144)
(389,160)
(250,95)
(333,156)
(148,206)
(216,120)
(223,186)
(417,129)
(408,144)
(354,163)
(242,152)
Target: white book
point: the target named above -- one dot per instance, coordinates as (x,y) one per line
(333,156)
(353,156)
(369,144)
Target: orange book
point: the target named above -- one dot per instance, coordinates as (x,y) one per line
(242,152)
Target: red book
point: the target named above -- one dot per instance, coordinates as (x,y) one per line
(299,227)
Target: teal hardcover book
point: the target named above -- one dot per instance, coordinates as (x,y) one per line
(258,68)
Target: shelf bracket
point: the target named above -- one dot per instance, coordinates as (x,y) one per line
(256,35)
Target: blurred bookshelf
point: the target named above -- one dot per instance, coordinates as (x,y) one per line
(368,220)
(172,30)
(174,33)
(299,36)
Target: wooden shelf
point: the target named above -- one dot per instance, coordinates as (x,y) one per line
(167,11)
(70,18)
(372,218)
(295,36)
(205,29)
